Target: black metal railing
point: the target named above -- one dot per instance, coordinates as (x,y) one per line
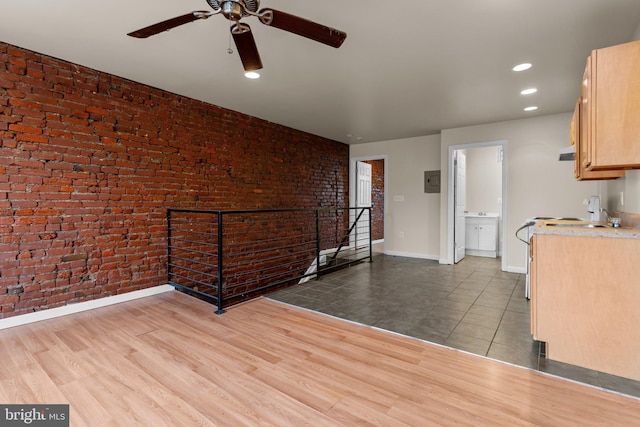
(229,256)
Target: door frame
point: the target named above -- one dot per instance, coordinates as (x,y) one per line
(352,187)
(451,201)
(456,168)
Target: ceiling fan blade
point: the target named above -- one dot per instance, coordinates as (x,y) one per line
(246,45)
(302,27)
(154,29)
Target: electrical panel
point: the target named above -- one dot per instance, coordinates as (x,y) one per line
(431,181)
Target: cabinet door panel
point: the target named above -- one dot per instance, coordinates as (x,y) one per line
(471,236)
(579,133)
(613,108)
(533,288)
(487,237)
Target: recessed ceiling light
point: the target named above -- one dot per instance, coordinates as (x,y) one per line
(528,91)
(532,108)
(522,67)
(252,75)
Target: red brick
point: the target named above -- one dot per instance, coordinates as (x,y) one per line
(32,138)
(98,170)
(9,299)
(25,129)
(29,105)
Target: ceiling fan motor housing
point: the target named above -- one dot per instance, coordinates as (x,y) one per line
(234,10)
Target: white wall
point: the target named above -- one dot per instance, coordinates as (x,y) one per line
(630,186)
(417,217)
(484,182)
(537,184)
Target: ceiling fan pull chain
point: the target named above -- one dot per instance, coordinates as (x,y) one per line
(230,49)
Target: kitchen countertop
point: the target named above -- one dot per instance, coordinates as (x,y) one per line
(580,228)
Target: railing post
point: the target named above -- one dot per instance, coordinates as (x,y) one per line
(317,244)
(220,310)
(168,245)
(370,238)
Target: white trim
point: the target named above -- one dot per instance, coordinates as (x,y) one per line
(352,187)
(376,242)
(519,270)
(450,209)
(411,255)
(52,313)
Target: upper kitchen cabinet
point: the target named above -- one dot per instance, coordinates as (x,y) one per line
(611,109)
(578,130)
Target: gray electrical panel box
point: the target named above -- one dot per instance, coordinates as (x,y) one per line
(431,181)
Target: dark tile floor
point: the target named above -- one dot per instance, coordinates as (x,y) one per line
(471,306)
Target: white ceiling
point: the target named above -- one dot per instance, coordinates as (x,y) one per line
(406,69)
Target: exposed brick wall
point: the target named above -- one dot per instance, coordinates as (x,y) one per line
(377,199)
(89,162)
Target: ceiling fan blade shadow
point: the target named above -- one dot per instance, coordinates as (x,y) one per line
(302,27)
(154,29)
(246,45)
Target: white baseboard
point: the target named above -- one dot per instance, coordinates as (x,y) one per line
(52,313)
(519,270)
(412,255)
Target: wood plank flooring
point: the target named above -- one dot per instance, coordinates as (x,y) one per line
(167,360)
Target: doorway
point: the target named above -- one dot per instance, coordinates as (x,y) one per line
(364,181)
(378,197)
(484,199)
(460,200)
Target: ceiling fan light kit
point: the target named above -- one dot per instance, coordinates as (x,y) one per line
(235,10)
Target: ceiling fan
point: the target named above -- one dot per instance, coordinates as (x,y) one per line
(235,10)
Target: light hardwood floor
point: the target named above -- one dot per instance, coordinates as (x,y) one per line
(168,360)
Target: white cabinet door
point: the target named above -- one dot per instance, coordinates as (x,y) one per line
(471,235)
(481,237)
(487,237)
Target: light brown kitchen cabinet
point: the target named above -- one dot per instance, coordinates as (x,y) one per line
(611,109)
(533,287)
(584,301)
(578,129)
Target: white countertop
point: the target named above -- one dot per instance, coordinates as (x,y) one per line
(481,215)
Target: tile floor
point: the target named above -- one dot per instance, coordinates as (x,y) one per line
(471,306)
